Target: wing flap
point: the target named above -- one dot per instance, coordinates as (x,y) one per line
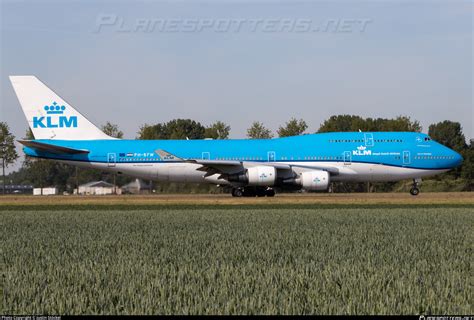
(216,162)
(234,166)
(212,167)
(332,170)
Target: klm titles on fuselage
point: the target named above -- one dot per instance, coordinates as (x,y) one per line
(53,121)
(362,151)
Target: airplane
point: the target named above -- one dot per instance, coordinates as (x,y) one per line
(248,167)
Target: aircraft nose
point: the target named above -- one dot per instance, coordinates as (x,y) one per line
(457,161)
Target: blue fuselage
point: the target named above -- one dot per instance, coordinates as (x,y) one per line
(398,149)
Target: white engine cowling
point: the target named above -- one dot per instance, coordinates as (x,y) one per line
(261,176)
(315,180)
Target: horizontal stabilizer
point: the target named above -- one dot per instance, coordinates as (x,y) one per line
(46,147)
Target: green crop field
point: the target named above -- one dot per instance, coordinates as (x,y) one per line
(237,259)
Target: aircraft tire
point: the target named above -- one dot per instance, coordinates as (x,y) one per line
(236,192)
(414,191)
(270,192)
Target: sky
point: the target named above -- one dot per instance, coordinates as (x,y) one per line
(137,62)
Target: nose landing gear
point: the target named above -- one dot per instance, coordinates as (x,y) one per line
(414,191)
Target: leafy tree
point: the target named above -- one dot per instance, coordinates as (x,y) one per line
(185,129)
(112,130)
(467,169)
(152,132)
(174,129)
(448,133)
(258,131)
(7,149)
(345,123)
(44,173)
(29,134)
(293,128)
(7,145)
(217,130)
(400,123)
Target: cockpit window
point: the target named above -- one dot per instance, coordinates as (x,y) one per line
(427,138)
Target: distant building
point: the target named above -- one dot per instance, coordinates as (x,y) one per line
(17,189)
(49,191)
(97,188)
(137,186)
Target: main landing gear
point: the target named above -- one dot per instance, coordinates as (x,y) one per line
(253,192)
(414,191)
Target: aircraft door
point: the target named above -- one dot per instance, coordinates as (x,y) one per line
(271,156)
(347,158)
(369,139)
(406,157)
(111,159)
(206,156)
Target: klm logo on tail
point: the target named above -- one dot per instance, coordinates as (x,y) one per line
(54,118)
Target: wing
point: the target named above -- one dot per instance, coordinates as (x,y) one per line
(331,169)
(231,167)
(223,167)
(228,167)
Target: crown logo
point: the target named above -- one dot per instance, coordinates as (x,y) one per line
(361,148)
(54,108)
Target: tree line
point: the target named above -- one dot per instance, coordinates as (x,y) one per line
(42,173)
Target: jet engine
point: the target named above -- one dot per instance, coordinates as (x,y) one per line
(314,180)
(261,176)
(256,176)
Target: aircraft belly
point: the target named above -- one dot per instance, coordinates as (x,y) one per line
(379,172)
(186,172)
(370,172)
(140,170)
(179,172)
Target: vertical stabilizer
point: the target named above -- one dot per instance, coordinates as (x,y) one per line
(49,116)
